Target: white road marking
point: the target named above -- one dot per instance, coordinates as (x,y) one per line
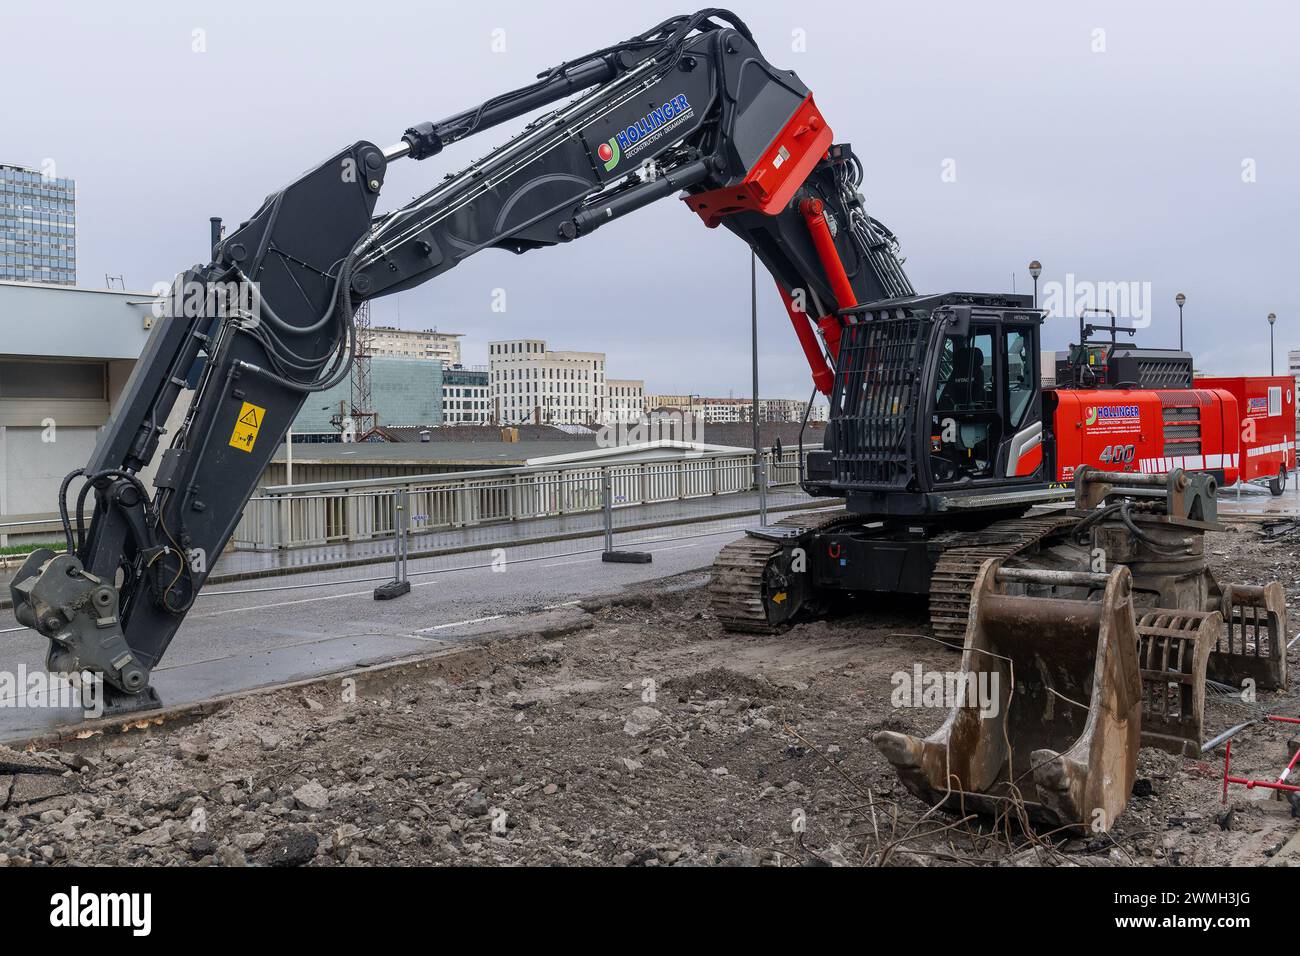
(263,607)
(473,620)
(560,564)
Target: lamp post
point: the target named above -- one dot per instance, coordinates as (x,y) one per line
(1035,270)
(1272,321)
(1180,299)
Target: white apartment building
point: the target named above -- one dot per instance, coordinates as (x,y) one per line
(680,403)
(1293,363)
(731,409)
(703,409)
(527,383)
(781,409)
(406,343)
(66,354)
(719,410)
(465,396)
(626,400)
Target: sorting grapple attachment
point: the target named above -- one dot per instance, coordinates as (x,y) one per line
(1163,545)
(1173,649)
(1062,737)
(1252,643)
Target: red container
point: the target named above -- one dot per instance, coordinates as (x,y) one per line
(1267,427)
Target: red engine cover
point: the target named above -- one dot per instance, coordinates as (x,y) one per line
(1146,431)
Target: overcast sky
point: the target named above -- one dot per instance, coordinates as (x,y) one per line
(1151,143)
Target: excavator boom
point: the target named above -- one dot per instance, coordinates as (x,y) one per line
(689,106)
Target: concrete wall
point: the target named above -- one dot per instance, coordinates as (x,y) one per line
(43,436)
(31,468)
(70,322)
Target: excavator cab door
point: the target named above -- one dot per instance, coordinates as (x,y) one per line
(986,424)
(1021,454)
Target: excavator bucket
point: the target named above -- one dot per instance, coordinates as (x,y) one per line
(1252,643)
(1173,650)
(1063,737)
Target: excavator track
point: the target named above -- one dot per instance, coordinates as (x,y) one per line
(958,567)
(737,589)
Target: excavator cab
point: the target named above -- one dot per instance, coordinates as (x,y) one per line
(935,396)
(985,393)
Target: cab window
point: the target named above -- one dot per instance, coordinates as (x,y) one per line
(1022,375)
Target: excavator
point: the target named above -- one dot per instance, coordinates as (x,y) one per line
(939,442)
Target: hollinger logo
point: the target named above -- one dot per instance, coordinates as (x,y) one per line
(1092,415)
(609,154)
(649,129)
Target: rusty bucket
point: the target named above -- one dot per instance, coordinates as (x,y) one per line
(1063,740)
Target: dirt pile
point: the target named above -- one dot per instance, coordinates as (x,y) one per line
(625,732)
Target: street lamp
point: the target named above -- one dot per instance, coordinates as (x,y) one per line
(1035,270)
(1180,299)
(1272,321)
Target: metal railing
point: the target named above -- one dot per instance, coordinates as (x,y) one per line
(293,516)
(50,529)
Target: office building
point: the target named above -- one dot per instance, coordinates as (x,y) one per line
(389,342)
(465,399)
(528,383)
(38,227)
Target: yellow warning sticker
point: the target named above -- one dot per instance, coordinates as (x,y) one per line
(247,426)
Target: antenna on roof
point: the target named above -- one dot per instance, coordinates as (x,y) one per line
(109,280)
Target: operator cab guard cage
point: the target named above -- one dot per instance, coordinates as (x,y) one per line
(908,366)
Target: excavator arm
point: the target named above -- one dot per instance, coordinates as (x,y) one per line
(690,106)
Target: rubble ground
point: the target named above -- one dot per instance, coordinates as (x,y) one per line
(627,731)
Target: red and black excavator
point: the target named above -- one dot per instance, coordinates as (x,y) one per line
(940,438)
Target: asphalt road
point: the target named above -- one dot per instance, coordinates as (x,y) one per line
(272,630)
(240,637)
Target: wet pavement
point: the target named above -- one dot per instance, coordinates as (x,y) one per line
(274,630)
(1258,500)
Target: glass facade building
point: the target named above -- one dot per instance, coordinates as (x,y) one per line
(38,227)
(404,392)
